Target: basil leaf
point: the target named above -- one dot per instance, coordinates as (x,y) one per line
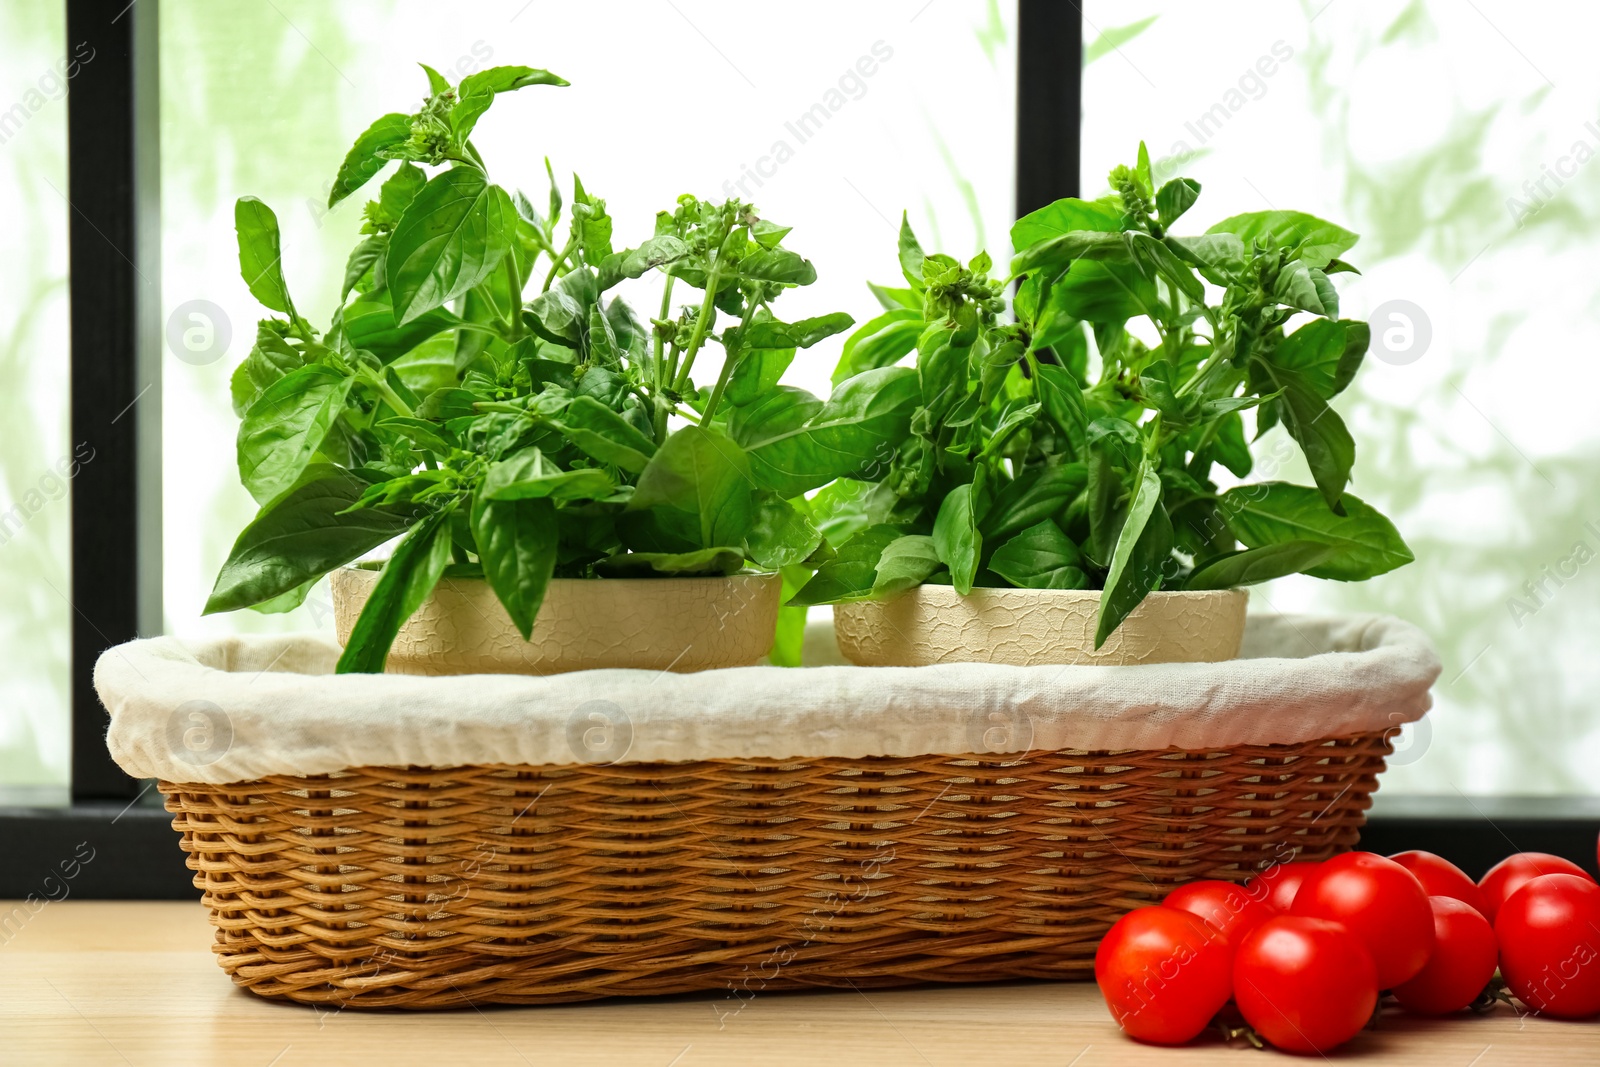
(436,81)
(299,536)
(369,325)
(285,602)
(591,226)
(944,369)
(444,405)
(1271,513)
(906,562)
(365,157)
(1033,496)
(890,298)
(1321,433)
(425,435)
(1230,448)
(1220,257)
(477,91)
(703,562)
(911,256)
(703,477)
(407,579)
(1144,545)
(507,79)
(1296,288)
(849,574)
(1103,293)
(451,238)
(1064,216)
(756,375)
(780,534)
(1040,557)
(1062,398)
(1176,197)
(771,333)
(363,259)
(260,255)
(1325,353)
(659,251)
(1112,444)
(603,349)
(1054,255)
(769,234)
(881,342)
(528,475)
(632,338)
(286,427)
(602,433)
(557,316)
(843,508)
(516,543)
(777,265)
(1252,566)
(1312,240)
(956,538)
(1155,258)
(796,446)
(269,360)
(396,194)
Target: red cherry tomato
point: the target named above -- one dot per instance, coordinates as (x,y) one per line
(1549,934)
(1464,958)
(1164,974)
(1515,871)
(1441,878)
(1381,903)
(1305,985)
(1276,886)
(1223,905)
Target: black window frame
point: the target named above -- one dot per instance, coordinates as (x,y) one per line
(116,351)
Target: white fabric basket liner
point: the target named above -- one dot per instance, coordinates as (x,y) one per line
(233,709)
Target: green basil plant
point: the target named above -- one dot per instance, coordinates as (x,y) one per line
(1056,449)
(484,395)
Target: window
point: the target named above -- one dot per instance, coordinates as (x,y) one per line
(40,457)
(1438,132)
(1435,132)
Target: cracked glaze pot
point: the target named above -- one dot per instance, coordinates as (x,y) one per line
(677,624)
(1033,627)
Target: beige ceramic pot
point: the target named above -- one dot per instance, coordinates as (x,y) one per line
(1033,627)
(676,624)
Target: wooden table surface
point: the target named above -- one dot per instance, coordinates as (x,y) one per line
(135,983)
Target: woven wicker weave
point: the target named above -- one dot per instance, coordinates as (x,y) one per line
(422,888)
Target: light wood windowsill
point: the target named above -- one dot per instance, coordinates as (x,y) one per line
(91,983)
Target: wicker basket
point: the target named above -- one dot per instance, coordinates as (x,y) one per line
(382,887)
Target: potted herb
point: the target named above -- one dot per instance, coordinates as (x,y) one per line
(1057,499)
(564,494)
